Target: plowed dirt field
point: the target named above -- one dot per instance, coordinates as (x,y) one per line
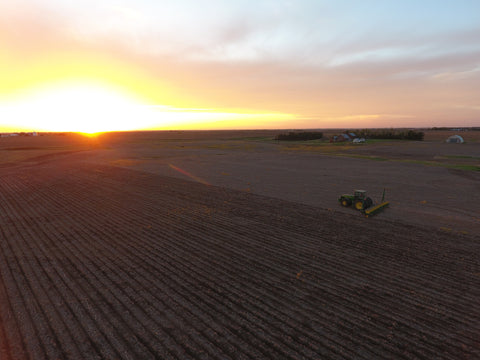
(99,261)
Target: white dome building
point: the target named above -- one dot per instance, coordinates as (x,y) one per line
(455,139)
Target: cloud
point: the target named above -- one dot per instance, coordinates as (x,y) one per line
(310,58)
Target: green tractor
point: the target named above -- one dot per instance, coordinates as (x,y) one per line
(361,202)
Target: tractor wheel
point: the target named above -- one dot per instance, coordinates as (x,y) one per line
(346,202)
(359,204)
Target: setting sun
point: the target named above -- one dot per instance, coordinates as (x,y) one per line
(93,107)
(81,107)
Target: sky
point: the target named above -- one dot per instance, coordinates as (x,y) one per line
(102,65)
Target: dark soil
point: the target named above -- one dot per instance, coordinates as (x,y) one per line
(103,262)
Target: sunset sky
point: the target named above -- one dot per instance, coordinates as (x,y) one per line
(99,65)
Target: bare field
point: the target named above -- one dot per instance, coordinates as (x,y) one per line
(196,245)
(428,183)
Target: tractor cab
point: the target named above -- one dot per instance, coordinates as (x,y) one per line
(359,194)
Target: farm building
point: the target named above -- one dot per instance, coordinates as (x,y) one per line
(341,137)
(455,139)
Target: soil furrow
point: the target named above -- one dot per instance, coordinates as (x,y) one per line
(107,250)
(87,288)
(94,257)
(120,263)
(52,283)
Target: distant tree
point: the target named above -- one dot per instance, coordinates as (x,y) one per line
(391,134)
(296,136)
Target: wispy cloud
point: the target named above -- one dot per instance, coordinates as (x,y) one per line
(317,59)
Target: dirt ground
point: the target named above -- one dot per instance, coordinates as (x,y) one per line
(430,183)
(229,245)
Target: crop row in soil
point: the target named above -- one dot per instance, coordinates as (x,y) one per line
(109,263)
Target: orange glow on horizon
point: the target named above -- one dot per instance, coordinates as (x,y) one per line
(67,89)
(90,108)
(75,88)
(60,67)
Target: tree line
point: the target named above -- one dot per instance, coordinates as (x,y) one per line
(391,134)
(294,136)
